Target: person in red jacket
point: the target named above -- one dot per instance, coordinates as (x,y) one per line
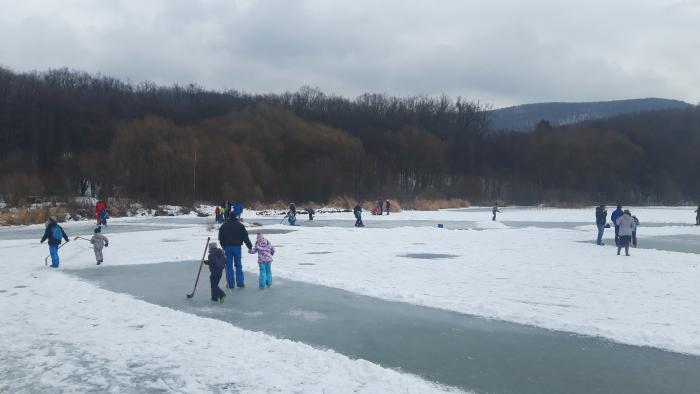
(99,207)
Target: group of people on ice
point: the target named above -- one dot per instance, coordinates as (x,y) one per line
(625,227)
(232,236)
(225,210)
(55,235)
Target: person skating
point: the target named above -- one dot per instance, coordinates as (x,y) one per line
(291,216)
(617,213)
(388,207)
(217,213)
(380,207)
(265,251)
(635,224)
(98,242)
(494,211)
(99,207)
(358,216)
(601,217)
(625,225)
(237,210)
(104,215)
(311,212)
(216,262)
(232,234)
(697,216)
(54,234)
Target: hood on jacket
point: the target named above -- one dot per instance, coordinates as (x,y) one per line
(261,241)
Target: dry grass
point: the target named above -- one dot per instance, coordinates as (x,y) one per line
(24,216)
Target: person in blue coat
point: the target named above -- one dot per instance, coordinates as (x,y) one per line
(616,215)
(601,217)
(54,233)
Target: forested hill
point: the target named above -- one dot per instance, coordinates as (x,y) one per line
(525,117)
(62,131)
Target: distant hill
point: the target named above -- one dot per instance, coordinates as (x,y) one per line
(525,117)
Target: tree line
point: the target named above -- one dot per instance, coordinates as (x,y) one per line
(64,132)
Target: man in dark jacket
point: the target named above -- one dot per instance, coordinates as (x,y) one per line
(232,234)
(216,262)
(601,217)
(614,216)
(54,233)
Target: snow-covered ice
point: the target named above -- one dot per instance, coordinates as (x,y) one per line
(60,333)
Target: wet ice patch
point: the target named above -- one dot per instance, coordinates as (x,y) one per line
(307,315)
(428,256)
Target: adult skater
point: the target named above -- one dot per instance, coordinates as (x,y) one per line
(380,207)
(311,213)
(495,210)
(54,233)
(232,234)
(99,207)
(697,216)
(616,215)
(357,211)
(601,217)
(291,215)
(388,207)
(625,225)
(217,213)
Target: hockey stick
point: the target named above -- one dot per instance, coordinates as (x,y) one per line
(201,263)
(77,238)
(46,260)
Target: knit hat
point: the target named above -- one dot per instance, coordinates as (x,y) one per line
(213,245)
(53,219)
(98,229)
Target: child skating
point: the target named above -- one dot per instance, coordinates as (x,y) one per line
(216,262)
(265,251)
(98,242)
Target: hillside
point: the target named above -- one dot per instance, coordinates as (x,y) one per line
(525,117)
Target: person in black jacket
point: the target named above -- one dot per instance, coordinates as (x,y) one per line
(232,234)
(216,262)
(601,216)
(54,233)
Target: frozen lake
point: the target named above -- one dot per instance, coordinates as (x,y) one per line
(451,348)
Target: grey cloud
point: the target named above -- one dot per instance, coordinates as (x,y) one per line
(503,52)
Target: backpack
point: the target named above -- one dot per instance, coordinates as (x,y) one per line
(56,233)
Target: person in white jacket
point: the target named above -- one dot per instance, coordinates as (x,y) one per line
(626,224)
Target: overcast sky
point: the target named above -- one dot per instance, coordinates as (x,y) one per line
(500,52)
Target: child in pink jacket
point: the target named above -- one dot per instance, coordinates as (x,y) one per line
(265,251)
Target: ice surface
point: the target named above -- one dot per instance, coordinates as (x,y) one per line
(454,349)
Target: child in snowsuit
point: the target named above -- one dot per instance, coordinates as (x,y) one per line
(104,215)
(98,241)
(216,262)
(265,251)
